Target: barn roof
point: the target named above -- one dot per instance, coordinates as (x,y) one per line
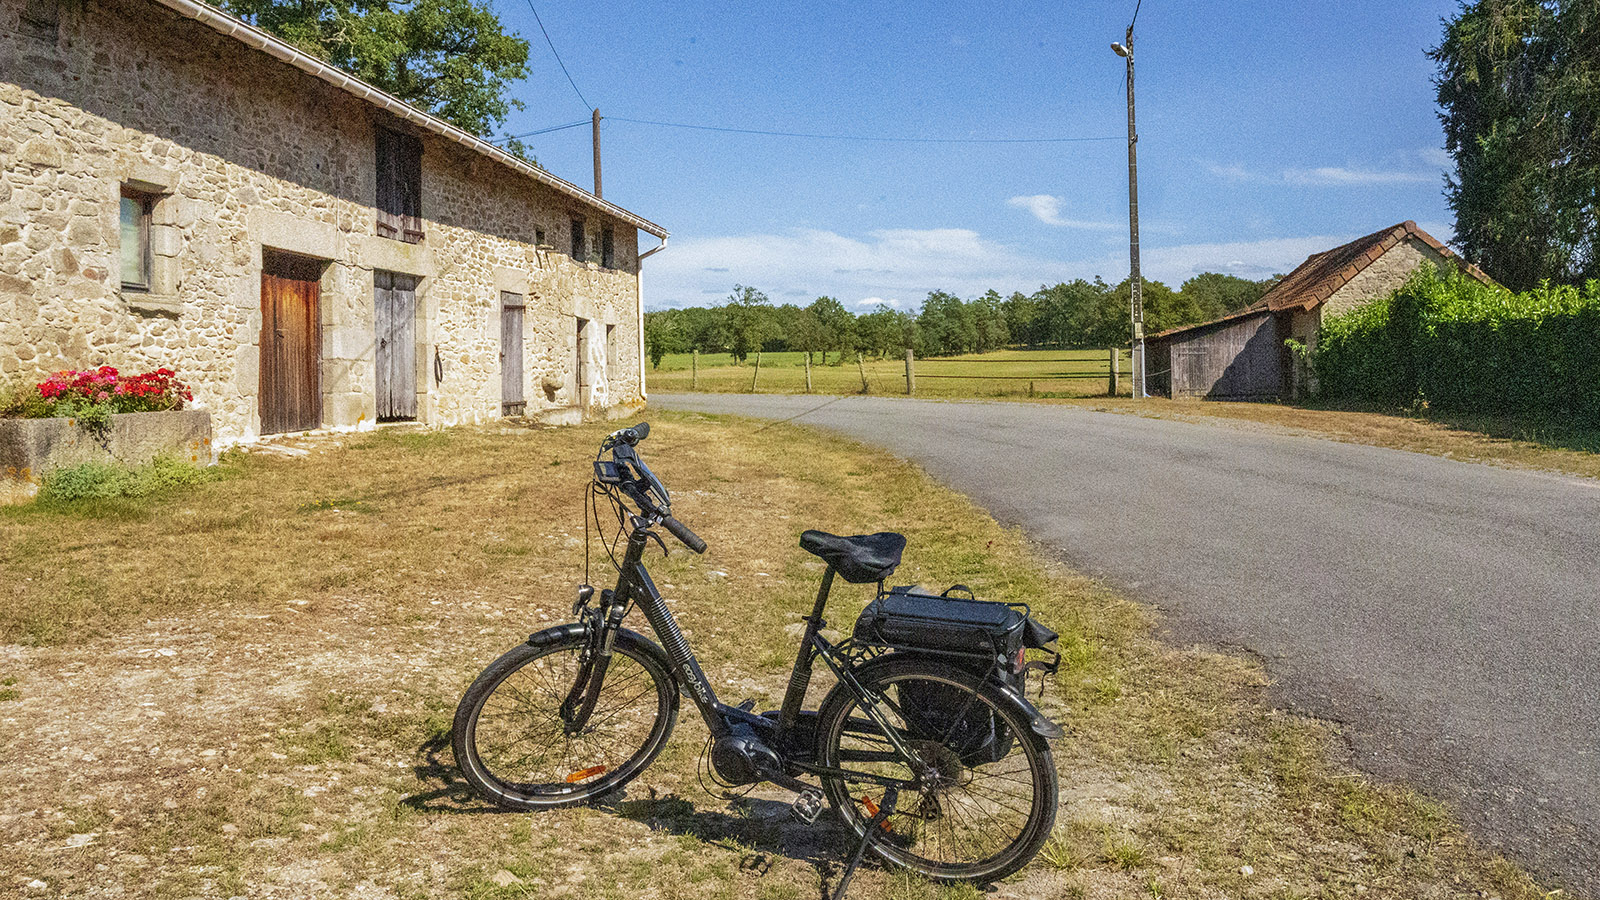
(1323,274)
(255,38)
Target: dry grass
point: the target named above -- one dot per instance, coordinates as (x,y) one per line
(1509,441)
(246,689)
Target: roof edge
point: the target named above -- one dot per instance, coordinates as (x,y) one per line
(253,37)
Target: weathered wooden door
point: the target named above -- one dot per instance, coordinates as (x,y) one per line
(291,344)
(511,399)
(395,296)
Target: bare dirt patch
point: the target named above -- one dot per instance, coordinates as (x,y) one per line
(246,690)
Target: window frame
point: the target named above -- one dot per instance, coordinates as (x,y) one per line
(147,202)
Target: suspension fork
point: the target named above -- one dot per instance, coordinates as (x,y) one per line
(579,704)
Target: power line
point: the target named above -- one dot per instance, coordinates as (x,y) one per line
(563,65)
(509,137)
(1136,5)
(858,137)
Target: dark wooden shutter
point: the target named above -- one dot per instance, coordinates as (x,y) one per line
(395,327)
(399,188)
(511,397)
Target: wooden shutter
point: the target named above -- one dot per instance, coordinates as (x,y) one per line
(399,187)
(511,396)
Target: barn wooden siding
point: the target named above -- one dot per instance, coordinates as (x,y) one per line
(1237,359)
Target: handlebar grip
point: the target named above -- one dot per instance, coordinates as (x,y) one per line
(682,533)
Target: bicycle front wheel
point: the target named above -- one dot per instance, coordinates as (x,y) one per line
(512,745)
(984,796)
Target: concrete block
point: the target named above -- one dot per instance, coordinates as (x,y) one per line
(29,448)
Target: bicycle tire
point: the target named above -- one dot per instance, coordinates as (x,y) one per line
(924,822)
(521,698)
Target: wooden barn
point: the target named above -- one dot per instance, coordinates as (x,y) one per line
(1242,356)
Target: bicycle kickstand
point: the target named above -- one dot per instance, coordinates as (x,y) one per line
(890,795)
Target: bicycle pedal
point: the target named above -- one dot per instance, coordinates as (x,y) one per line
(807,807)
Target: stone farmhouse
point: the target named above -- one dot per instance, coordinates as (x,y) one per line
(180,189)
(1242,356)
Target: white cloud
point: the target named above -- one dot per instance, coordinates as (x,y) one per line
(899,267)
(1438,156)
(1047,209)
(1335,176)
(893,266)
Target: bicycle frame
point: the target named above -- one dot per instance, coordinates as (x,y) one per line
(635,585)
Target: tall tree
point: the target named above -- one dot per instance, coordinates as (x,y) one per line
(748,318)
(452,58)
(838,326)
(1519,96)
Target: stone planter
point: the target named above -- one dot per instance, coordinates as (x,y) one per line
(31,447)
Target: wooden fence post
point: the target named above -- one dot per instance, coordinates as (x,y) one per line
(911,373)
(1030,390)
(808,372)
(755,376)
(1116,361)
(694,370)
(862,368)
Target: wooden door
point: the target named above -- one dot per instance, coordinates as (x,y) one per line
(395,323)
(511,399)
(291,344)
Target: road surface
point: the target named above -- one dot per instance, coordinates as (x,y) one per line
(1447,613)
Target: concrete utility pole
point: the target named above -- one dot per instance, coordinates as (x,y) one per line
(597,193)
(1135,282)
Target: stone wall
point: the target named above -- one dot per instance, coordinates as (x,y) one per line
(245,153)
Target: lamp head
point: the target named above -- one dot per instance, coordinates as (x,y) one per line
(1121,51)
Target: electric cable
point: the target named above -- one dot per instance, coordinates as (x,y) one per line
(869,138)
(586,104)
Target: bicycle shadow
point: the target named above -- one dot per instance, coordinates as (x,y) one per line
(759,829)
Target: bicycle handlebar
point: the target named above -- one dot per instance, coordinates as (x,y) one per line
(682,533)
(653,499)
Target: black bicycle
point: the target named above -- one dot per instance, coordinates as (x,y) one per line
(926,747)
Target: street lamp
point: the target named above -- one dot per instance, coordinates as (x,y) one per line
(1137,306)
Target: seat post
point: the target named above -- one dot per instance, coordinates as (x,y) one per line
(800,677)
(822,594)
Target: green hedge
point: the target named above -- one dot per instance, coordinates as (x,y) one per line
(1460,345)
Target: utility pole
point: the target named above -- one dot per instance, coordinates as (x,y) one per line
(596,120)
(1135,282)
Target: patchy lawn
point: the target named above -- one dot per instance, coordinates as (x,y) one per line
(1524,443)
(246,690)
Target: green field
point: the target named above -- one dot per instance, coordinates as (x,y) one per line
(1003,373)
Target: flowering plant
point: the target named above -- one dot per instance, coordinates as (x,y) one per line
(69,392)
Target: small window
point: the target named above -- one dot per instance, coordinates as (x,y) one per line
(577,240)
(538,237)
(42,18)
(135,238)
(399,167)
(608,249)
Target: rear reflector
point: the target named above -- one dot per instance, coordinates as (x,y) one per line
(581,774)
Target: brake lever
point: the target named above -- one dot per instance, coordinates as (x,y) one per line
(658,540)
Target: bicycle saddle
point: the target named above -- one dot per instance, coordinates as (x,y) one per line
(859,558)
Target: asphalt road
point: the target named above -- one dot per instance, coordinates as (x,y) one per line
(1447,613)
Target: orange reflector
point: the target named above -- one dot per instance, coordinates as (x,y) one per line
(581,774)
(872,810)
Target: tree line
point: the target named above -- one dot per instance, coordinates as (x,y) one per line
(1071,315)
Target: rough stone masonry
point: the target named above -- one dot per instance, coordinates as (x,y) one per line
(240,155)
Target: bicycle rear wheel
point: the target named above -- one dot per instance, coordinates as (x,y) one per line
(986,800)
(510,741)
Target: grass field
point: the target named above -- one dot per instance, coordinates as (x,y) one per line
(244,688)
(1004,373)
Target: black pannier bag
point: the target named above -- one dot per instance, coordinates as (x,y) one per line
(976,635)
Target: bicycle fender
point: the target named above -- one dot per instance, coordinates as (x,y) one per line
(627,636)
(1043,726)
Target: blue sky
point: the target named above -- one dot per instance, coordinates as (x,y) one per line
(1268,131)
